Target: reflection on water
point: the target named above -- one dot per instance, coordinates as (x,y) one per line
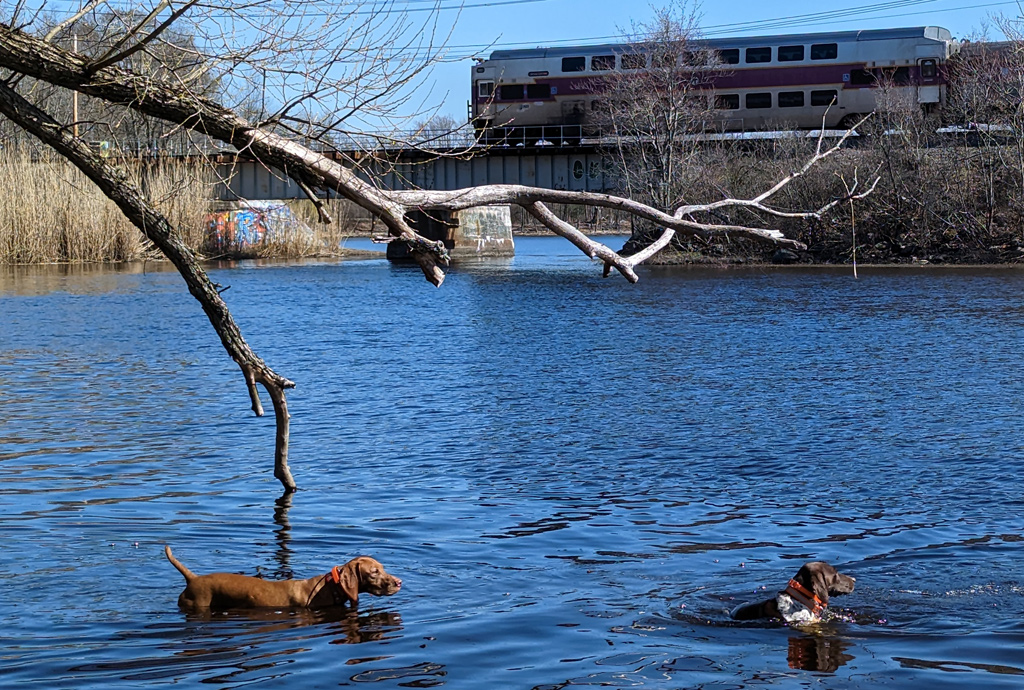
(283,535)
(817,653)
(575,478)
(959,666)
(241,644)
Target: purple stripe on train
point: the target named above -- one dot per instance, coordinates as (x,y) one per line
(810,76)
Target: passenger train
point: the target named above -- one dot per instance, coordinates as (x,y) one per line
(761,82)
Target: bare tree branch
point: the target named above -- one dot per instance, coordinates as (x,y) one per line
(116,185)
(131,33)
(88,7)
(108,59)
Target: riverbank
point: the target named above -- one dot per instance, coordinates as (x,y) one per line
(948,206)
(1008,252)
(58,216)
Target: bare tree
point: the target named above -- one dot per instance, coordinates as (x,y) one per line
(99,32)
(308,73)
(1004,79)
(439,131)
(656,106)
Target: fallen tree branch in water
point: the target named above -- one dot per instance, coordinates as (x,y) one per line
(116,185)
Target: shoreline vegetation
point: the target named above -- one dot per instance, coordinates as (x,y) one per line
(56,215)
(949,204)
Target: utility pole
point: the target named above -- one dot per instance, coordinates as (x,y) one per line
(74,94)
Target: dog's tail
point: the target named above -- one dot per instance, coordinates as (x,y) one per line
(189,575)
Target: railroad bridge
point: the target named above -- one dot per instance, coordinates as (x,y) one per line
(577,167)
(549,162)
(469,233)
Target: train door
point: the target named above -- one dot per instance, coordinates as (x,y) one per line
(928,90)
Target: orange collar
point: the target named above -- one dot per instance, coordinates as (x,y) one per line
(333,576)
(337,593)
(805,597)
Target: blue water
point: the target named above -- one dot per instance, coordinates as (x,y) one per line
(573,476)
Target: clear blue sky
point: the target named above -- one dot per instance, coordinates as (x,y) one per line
(524,23)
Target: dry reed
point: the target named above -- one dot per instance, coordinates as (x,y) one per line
(54,214)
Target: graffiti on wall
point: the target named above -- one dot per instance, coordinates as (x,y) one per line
(256,223)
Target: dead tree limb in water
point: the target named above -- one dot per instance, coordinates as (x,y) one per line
(116,185)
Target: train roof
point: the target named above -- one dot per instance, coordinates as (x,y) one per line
(935,33)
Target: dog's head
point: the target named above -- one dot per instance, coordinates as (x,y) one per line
(824,580)
(365,574)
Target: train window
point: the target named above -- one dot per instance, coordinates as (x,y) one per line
(729,56)
(694,58)
(824,51)
(600,63)
(535,91)
(634,60)
(511,92)
(759,55)
(791,53)
(485,89)
(759,100)
(574,64)
(826,97)
(665,59)
(897,77)
(727,101)
(929,69)
(791,99)
(862,77)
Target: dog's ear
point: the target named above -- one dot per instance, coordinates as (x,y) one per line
(349,581)
(821,583)
(815,577)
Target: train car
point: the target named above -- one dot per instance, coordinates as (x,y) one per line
(762,81)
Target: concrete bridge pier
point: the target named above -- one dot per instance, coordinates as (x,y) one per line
(471,233)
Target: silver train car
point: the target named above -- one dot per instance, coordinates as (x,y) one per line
(763,82)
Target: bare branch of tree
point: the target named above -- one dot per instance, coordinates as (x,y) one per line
(108,59)
(88,7)
(116,185)
(757,202)
(321,209)
(130,34)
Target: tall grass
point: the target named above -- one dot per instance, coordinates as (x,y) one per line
(52,213)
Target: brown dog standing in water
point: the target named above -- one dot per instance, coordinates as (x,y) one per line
(231,591)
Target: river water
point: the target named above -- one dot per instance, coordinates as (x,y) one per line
(574,477)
